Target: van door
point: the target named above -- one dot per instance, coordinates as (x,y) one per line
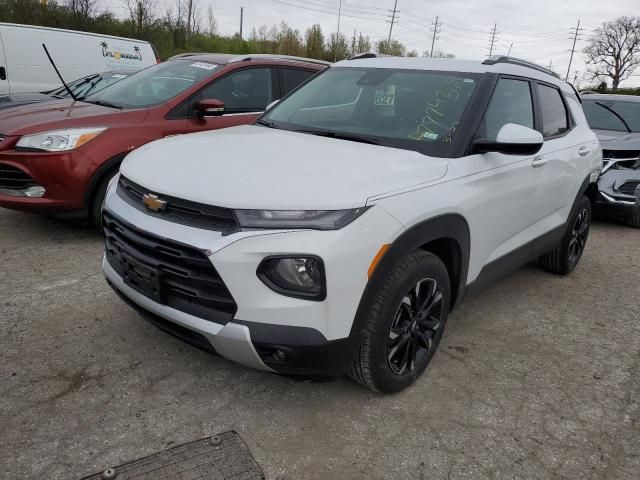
(4,79)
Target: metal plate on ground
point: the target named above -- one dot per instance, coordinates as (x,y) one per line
(221,457)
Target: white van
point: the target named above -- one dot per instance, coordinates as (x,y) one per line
(24,66)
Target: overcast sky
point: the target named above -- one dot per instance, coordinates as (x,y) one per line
(540,30)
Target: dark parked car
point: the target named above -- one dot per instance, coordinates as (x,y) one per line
(81,88)
(616,121)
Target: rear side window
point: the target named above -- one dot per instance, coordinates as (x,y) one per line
(511,103)
(292,77)
(555,119)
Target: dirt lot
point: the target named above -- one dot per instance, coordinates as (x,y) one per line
(537,377)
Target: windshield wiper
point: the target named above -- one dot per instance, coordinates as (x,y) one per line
(626,125)
(340,136)
(103,104)
(267,123)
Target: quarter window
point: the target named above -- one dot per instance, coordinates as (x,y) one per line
(511,103)
(555,119)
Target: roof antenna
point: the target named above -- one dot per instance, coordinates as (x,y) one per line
(59,76)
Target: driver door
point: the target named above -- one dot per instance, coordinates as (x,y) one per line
(246,92)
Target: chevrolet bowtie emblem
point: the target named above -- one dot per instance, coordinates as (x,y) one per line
(152,202)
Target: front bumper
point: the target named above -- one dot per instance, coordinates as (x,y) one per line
(270,331)
(63,176)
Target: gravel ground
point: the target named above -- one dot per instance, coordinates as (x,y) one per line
(537,377)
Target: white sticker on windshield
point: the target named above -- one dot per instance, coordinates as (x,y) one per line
(118,75)
(206,66)
(385,97)
(430,135)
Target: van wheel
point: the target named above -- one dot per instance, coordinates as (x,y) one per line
(564,258)
(405,324)
(95,213)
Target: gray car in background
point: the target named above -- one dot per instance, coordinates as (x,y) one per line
(616,121)
(80,88)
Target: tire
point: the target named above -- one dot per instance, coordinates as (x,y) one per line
(565,257)
(95,211)
(378,366)
(634,221)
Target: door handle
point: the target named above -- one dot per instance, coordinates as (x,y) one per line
(538,162)
(3,73)
(584,151)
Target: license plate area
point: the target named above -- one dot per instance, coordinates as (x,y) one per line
(142,277)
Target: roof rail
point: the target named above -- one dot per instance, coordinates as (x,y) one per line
(368,55)
(518,61)
(272,56)
(184,55)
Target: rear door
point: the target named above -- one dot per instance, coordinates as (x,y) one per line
(246,92)
(4,78)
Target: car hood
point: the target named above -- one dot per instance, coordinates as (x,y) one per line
(43,116)
(16,99)
(258,167)
(611,140)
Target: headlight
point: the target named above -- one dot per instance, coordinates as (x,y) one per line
(294,276)
(59,140)
(312,219)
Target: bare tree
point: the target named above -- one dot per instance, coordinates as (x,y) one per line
(82,11)
(142,15)
(614,50)
(212,23)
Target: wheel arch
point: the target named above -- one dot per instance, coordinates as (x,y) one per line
(100,174)
(446,236)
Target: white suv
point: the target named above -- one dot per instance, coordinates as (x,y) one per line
(337,233)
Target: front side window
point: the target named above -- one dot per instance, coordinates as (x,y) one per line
(412,109)
(243,91)
(154,85)
(511,102)
(555,119)
(617,115)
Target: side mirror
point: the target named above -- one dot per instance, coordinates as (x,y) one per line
(210,108)
(512,139)
(272,104)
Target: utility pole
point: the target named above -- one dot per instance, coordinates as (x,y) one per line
(335,44)
(241,20)
(493,38)
(576,32)
(510,47)
(189,19)
(435,30)
(550,65)
(393,20)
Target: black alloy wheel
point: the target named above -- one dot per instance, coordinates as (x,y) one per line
(415,325)
(578,236)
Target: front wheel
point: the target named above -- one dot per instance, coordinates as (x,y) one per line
(565,257)
(634,221)
(405,324)
(95,212)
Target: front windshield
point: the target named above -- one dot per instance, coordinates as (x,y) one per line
(412,109)
(616,115)
(154,85)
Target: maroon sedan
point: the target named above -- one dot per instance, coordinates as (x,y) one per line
(57,157)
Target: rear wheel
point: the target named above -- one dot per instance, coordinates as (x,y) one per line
(95,212)
(405,324)
(564,258)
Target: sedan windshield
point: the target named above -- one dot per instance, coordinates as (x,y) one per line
(154,85)
(88,85)
(411,109)
(616,115)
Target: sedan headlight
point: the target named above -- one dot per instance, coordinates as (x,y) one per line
(312,219)
(59,140)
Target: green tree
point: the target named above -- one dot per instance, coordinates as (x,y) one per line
(314,38)
(394,47)
(337,47)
